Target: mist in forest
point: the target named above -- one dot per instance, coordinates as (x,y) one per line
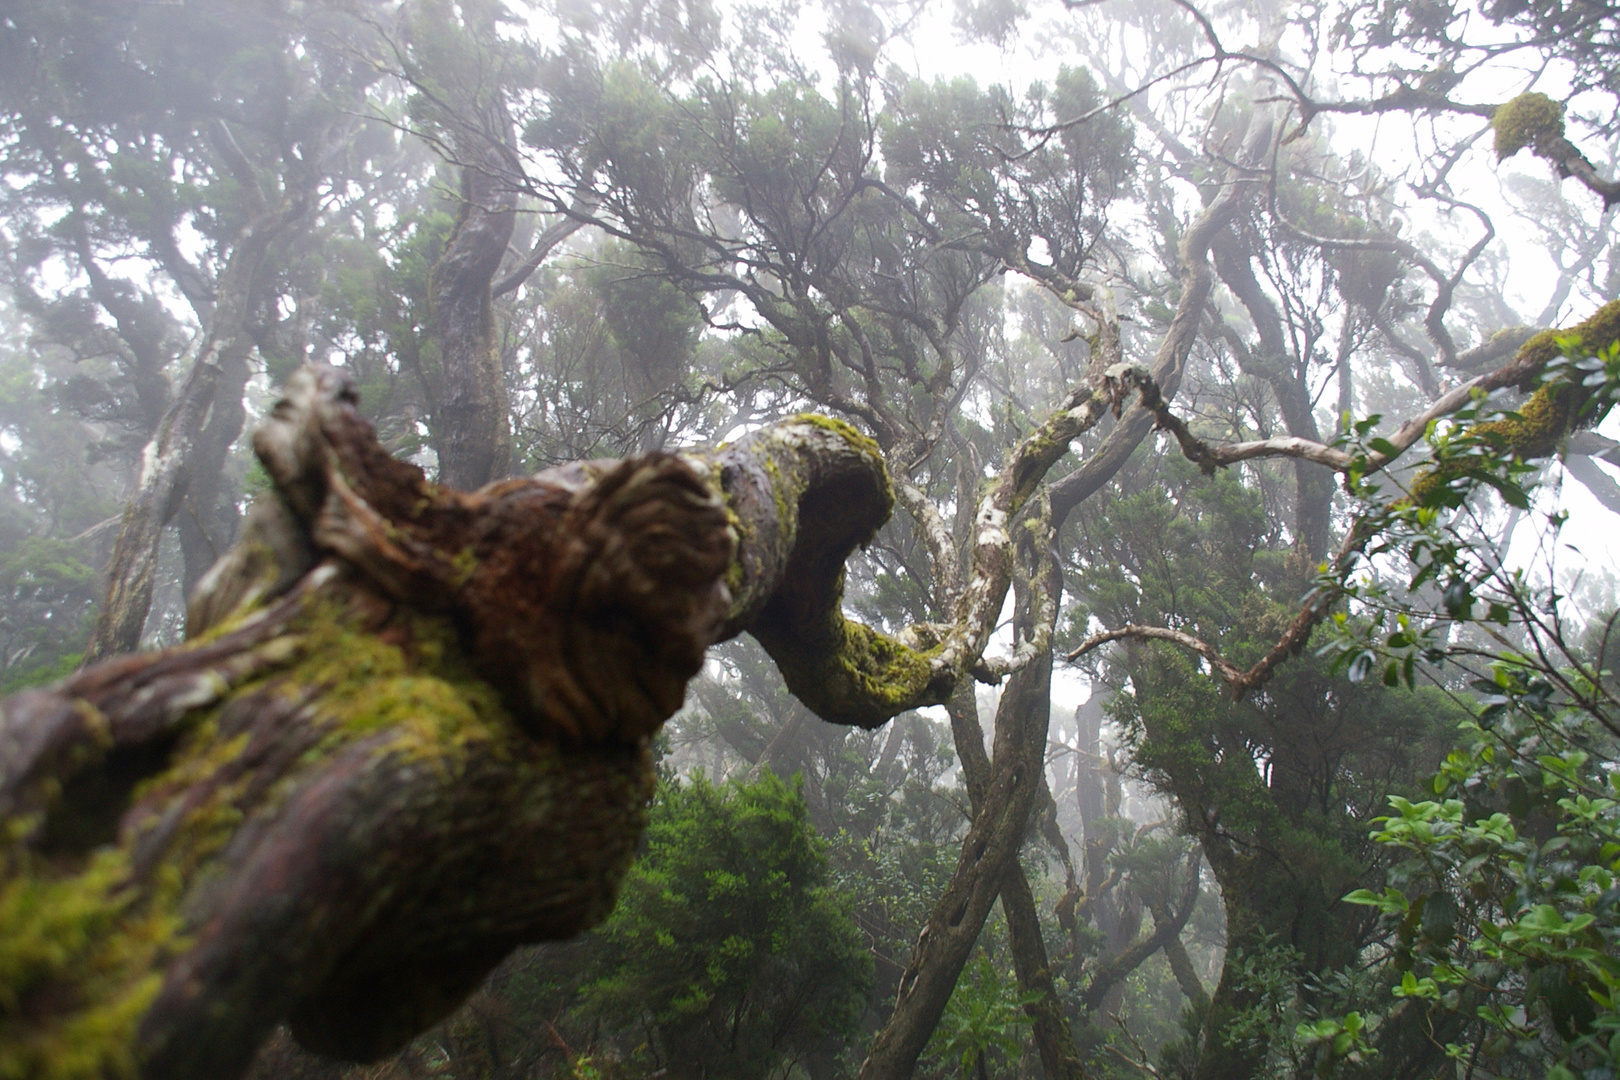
(1238,378)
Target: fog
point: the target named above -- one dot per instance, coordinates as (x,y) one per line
(1126,488)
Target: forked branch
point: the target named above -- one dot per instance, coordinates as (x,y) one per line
(1547,418)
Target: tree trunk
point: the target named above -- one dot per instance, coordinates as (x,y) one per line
(1313,484)
(207,517)
(467,382)
(169,458)
(1059,1059)
(409,733)
(990,849)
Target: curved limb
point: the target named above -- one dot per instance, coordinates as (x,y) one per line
(408,735)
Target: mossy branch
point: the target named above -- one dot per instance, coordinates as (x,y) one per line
(1553,411)
(1536,121)
(407,735)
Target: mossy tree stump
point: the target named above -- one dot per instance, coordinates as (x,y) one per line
(408,733)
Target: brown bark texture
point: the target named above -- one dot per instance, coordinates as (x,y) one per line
(408,734)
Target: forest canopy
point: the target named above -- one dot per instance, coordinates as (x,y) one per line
(809,539)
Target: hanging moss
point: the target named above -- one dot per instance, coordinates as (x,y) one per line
(1524,121)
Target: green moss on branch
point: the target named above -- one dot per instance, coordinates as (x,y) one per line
(1525,121)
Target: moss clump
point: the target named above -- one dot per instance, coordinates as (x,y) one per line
(847,432)
(882,670)
(1534,432)
(1525,121)
(1041,452)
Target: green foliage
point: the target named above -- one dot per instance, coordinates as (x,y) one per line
(1278,789)
(728,953)
(1501,910)
(985,1020)
(1504,907)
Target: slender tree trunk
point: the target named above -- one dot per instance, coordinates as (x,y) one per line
(1059,1059)
(1313,500)
(468,383)
(990,849)
(1091,796)
(207,519)
(1181,966)
(169,459)
(954,924)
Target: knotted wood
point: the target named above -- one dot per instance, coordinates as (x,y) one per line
(407,734)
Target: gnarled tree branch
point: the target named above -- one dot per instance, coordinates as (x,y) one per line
(1526,367)
(408,734)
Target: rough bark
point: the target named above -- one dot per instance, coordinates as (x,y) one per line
(408,734)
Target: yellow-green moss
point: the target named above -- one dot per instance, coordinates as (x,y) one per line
(81,935)
(882,669)
(463,566)
(865,444)
(426,692)
(1595,334)
(1549,414)
(1524,120)
(1030,468)
(784,512)
(84,933)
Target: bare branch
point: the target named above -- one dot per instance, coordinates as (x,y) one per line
(1223,668)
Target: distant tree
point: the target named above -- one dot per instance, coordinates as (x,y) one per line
(729,954)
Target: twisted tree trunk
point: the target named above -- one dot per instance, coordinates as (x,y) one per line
(408,734)
(990,849)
